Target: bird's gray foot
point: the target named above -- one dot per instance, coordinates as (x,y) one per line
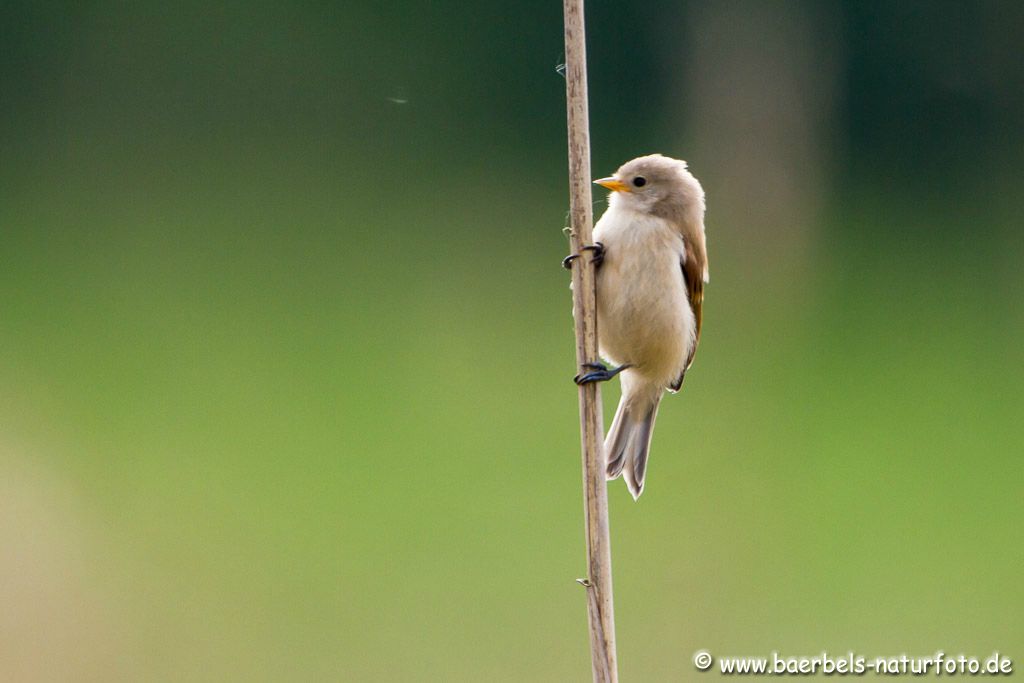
(597,259)
(601,373)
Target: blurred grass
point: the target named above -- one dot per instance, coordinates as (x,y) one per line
(317,446)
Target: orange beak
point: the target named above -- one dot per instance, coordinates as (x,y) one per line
(612,184)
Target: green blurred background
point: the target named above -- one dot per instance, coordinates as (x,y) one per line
(285,348)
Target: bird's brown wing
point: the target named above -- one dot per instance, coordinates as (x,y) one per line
(693,276)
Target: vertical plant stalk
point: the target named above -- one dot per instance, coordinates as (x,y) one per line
(595,490)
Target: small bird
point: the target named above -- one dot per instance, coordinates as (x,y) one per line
(652,265)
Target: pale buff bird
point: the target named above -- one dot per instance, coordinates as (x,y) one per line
(652,267)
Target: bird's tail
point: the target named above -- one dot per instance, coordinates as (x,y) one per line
(629,439)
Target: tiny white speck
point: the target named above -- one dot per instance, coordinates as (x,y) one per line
(398,100)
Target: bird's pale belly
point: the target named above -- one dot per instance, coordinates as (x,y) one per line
(641,321)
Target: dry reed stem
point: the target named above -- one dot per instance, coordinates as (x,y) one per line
(595,491)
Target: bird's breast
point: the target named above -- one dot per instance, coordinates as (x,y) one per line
(644,316)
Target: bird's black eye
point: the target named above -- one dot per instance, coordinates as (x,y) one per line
(639,181)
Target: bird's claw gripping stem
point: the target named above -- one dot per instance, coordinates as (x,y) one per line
(597,259)
(601,373)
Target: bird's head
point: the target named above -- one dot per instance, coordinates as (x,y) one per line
(657,185)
